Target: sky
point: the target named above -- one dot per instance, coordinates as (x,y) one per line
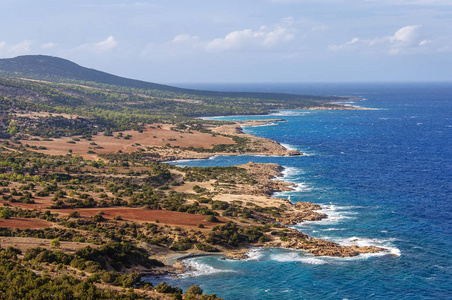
(238,41)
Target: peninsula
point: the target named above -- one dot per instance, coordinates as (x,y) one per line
(88,201)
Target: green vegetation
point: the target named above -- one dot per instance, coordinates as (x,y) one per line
(231,234)
(99,102)
(19,282)
(78,103)
(26,279)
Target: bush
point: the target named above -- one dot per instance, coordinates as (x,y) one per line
(167,289)
(55,243)
(199,189)
(220,205)
(74,214)
(5,213)
(98,218)
(194,290)
(211,219)
(206,248)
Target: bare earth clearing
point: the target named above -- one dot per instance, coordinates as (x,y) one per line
(152,136)
(146,215)
(24,223)
(161,139)
(24,243)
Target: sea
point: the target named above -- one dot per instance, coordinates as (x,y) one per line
(384,178)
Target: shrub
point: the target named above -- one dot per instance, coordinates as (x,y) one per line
(211,219)
(98,218)
(194,290)
(55,243)
(199,189)
(206,248)
(167,289)
(5,213)
(221,205)
(74,214)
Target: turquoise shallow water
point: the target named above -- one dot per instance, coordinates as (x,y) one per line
(383,177)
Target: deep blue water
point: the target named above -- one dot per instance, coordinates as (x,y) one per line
(384,178)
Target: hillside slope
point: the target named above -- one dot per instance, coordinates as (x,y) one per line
(57,69)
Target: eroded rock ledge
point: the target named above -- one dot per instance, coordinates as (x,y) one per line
(319,247)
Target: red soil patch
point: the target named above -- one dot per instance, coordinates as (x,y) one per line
(40,203)
(147,215)
(24,223)
(150,137)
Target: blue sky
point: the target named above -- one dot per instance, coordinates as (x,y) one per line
(171,41)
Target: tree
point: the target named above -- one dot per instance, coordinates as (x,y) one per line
(194,290)
(55,243)
(211,218)
(74,214)
(5,213)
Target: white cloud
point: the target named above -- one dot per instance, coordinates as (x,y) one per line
(185,38)
(248,38)
(406,35)
(403,39)
(262,39)
(21,48)
(353,41)
(180,45)
(106,45)
(48,46)
(100,47)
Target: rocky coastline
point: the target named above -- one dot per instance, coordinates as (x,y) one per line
(294,213)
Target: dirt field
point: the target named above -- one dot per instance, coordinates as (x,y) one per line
(152,136)
(40,203)
(146,215)
(24,243)
(24,223)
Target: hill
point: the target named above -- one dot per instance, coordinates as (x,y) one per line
(55,69)
(88,101)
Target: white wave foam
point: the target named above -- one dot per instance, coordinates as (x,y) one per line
(181,162)
(333,229)
(307,153)
(289,172)
(281,195)
(262,155)
(296,257)
(302,187)
(288,146)
(290,113)
(335,214)
(254,254)
(362,242)
(196,268)
(260,125)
